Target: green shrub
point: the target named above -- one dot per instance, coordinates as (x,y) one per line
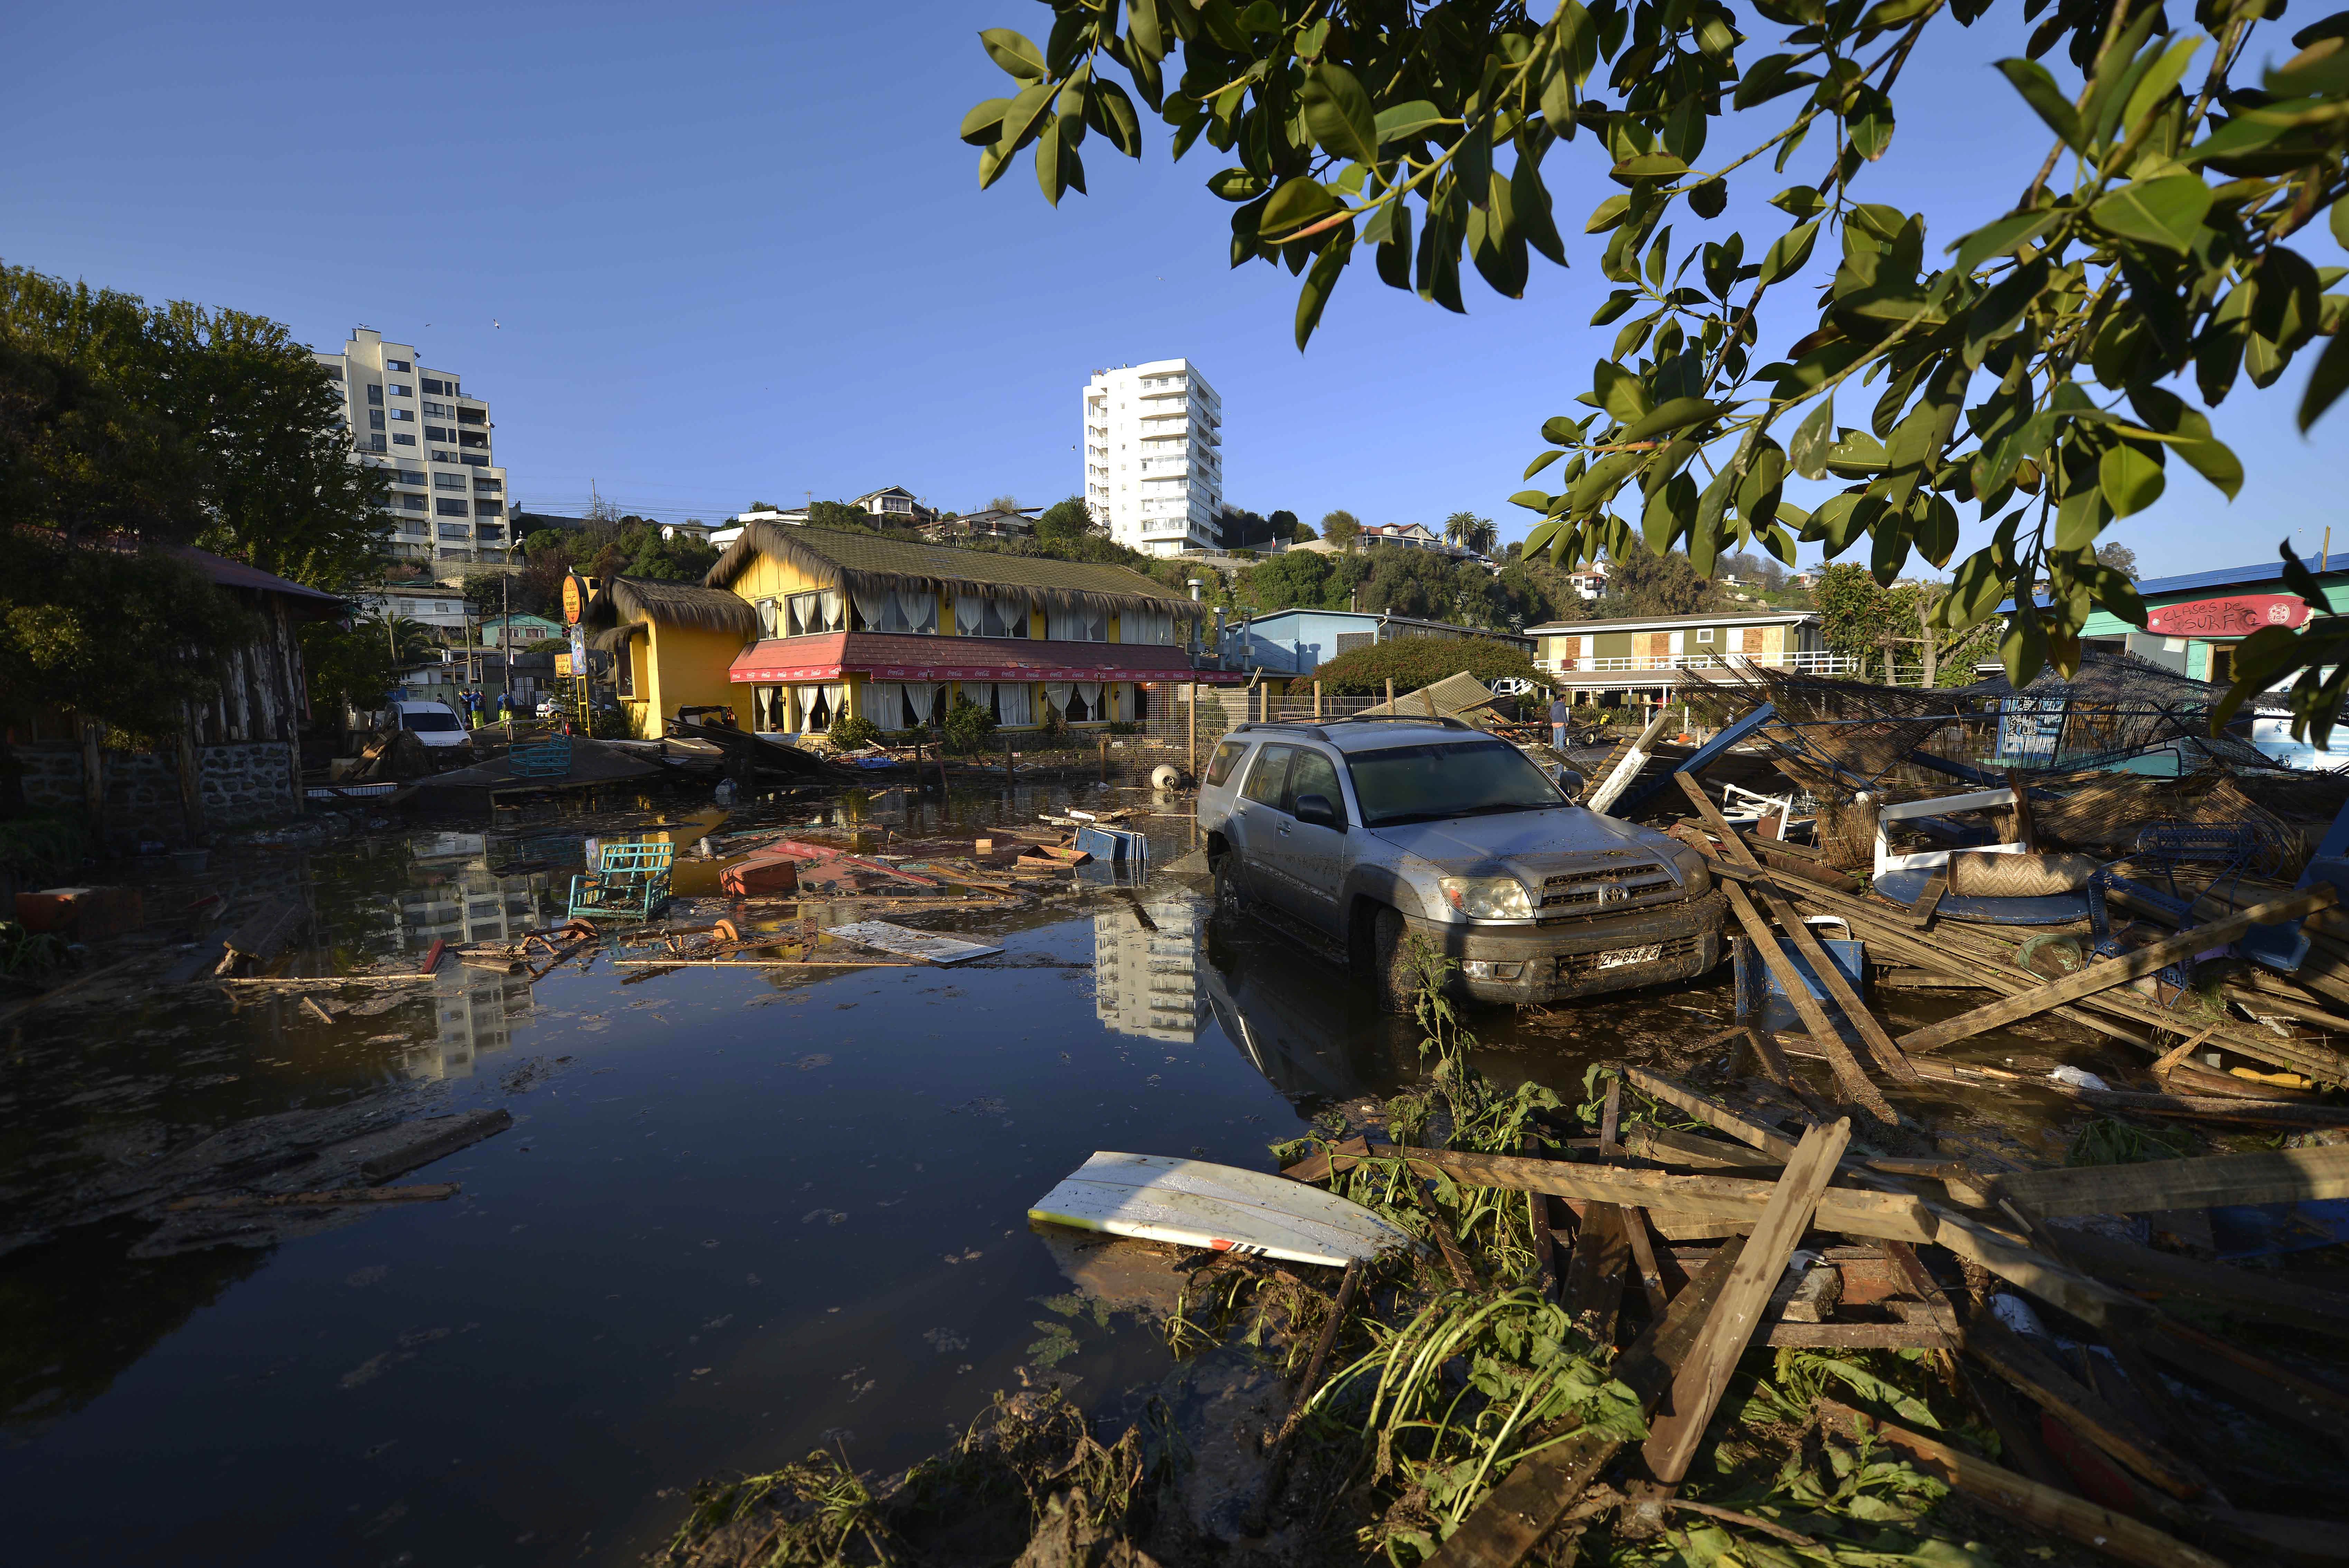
(854,732)
(1125,727)
(1412,662)
(967,724)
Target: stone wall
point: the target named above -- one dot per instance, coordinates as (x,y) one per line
(244,783)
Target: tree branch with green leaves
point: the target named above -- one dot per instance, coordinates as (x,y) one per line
(2049,368)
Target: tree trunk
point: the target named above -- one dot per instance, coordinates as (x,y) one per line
(93,778)
(1925,642)
(191,789)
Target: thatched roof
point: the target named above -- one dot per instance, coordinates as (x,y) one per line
(624,604)
(873,561)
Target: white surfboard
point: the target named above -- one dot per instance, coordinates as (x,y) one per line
(1192,1203)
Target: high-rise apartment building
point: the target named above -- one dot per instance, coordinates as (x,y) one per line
(1154,462)
(432,441)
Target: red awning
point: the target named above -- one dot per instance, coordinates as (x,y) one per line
(898,656)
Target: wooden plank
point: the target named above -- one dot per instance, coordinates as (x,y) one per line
(1596,1275)
(432,959)
(1618,780)
(1853,1083)
(330,1198)
(2209,1107)
(1542,1489)
(1712,1113)
(2027,1501)
(2271,1176)
(2091,1300)
(1665,1145)
(1872,1032)
(1929,902)
(440,1137)
(1853,1336)
(2048,1386)
(1696,1391)
(2105,974)
(1730,1200)
(2256,1383)
(1643,1260)
(2258,1296)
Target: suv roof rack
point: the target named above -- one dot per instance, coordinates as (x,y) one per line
(1321,726)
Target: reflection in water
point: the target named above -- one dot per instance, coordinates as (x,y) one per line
(1315,1037)
(1147,958)
(475,1016)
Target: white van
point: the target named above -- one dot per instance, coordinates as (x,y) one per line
(434,723)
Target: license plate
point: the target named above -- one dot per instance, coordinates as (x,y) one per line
(1622,956)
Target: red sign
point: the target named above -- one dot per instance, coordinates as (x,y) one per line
(2237,616)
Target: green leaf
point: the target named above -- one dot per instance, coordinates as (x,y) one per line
(2130,478)
(1338,112)
(2003,306)
(2165,211)
(1296,204)
(1238,184)
(2009,234)
(1397,120)
(1869,123)
(2189,430)
(1650,166)
(1809,450)
(1544,461)
(1014,53)
(1799,202)
(1621,300)
(1671,416)
(1529,206)
(1670,508)
(2163,75)
(1020,119)
(2038,88)
(1789,251)
(983,125)
(1767,79)
(1620,392)
(1706,198)
(1561,430)
(1857,454)
(1053,155)
(1314,294)
(1533,499)
(1606,214)
(2327,382)
(1143,28)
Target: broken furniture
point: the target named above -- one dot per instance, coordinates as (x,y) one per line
(630,882)
(546,758)
(1995,884)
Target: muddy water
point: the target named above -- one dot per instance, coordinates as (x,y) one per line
(739,1218)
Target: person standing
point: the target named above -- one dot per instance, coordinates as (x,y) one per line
(1558,714)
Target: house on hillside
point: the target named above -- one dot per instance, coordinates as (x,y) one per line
(893,629)
(1661,653)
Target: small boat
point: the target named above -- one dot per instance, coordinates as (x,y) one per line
(1192,1203)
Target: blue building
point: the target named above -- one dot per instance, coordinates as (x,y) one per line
(1300,642)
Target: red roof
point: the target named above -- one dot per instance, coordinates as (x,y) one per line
(900,656)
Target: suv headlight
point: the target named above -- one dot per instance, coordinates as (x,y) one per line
(1488,897)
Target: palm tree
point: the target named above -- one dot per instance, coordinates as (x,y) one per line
(408,641)
(1470,532)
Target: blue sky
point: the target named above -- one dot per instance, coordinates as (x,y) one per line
(736,253)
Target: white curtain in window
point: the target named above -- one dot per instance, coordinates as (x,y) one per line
(1012,704)
(835,609)
(1056,695)
(977,693)
(767,617)
(873,606)
(1013,613)
(1062,624)
(920,609)
(1090,693)
(970,615)
(928,701)
(884,702)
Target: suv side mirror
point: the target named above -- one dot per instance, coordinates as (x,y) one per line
(1317,810)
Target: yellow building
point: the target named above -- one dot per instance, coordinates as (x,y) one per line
(893,629)
(671,644)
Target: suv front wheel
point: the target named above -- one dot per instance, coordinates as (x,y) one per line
(1391,980)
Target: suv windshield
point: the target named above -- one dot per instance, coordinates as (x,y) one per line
(1422,783)
(414,720)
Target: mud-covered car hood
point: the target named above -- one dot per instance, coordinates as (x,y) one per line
(1538,847)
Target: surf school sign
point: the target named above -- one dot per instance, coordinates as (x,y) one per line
(2237,616)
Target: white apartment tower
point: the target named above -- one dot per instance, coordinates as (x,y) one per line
(1153,468)
(432,441)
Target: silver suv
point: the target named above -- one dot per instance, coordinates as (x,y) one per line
(1357,832)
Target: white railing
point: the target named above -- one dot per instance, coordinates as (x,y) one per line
(1808,663)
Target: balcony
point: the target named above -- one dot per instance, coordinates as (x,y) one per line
(1636,664)
(472,416)
(467,437)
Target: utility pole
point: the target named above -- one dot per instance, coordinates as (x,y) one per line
(505,642)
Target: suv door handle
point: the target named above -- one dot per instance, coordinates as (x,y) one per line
(1282,830)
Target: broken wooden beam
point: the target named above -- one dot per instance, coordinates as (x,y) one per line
(2271,1176)
(1849,1077)
(1880,1216)
(2027,1501)
(1697,1388)
(1872,1033)
(329,1198)
(2031,1371)
(2105,974)
(2260,1295)
(442,1137)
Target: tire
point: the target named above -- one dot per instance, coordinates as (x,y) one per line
(1391,977)
(1228,897)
